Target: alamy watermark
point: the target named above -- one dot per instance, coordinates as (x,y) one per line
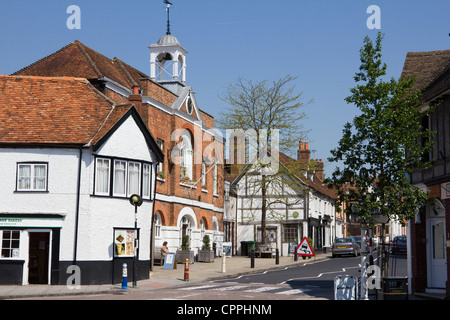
(74,20)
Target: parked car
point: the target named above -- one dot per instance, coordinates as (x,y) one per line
(399,245)
(368,243)
(343,246)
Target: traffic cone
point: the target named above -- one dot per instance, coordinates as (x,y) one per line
(186,270)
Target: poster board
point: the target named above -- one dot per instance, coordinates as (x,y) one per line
(227,249)
(169,261)
(125,242)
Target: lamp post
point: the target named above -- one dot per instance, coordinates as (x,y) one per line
(136,201)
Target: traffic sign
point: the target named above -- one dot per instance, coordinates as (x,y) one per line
(304,248)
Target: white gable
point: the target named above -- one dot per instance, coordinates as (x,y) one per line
(127,141)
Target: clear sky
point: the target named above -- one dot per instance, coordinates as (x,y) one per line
(318,41)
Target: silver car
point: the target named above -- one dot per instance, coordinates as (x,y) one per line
(345,246)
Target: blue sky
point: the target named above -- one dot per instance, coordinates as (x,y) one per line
(318,41)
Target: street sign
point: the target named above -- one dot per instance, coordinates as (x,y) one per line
(345,288)
(304,248)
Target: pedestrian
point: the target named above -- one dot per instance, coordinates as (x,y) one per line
(164,250)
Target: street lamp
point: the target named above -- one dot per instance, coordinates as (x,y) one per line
(136,201)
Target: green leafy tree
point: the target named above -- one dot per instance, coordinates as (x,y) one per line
(382,146)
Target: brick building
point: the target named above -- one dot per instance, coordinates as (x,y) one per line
(189,191)
(429,236)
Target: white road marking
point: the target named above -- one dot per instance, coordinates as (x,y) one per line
(230,288)
(199,287)
(261,289)
(293,291)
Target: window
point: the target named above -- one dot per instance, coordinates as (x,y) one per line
(120,177)
(215,180)
(10,243)
(32,176)
(203,173)
(160,165)
(290,232)
(158,225)
(134,178)
(102,176)
(186,154)
(146,189)
(124,176)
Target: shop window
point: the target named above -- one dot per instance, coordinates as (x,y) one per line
(10,243)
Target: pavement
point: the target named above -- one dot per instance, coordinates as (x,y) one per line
(159,277)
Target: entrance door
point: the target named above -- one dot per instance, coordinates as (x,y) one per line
(38,257)
(437,254)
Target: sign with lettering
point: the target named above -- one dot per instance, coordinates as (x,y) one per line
(169,261)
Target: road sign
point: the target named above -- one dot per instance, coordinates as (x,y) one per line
(304,248)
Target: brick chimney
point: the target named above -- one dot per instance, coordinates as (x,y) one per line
(136,99)
(304,154)
(319,169)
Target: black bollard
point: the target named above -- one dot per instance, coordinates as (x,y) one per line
(295,256)
(277,256)
(252,259)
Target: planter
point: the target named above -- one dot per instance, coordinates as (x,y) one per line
(205,256)
(183,255)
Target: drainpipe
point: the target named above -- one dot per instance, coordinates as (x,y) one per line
(153,222)
(77,207)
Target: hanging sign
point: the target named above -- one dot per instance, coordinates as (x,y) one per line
(304,248)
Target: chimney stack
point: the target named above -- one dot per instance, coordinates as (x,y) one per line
(304,154)
(136,99)
(319,169)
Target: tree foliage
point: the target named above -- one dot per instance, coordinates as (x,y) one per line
(382,146)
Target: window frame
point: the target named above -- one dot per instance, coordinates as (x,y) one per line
(32,165)
(10,247)
(112,179)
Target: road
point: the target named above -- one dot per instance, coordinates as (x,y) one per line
(308,281)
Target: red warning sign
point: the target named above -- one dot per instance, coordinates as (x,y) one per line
(304,248)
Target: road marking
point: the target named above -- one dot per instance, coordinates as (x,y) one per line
(293,291)
(230,288)
(199,287)
(261,289)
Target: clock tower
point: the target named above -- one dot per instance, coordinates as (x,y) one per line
(168,60)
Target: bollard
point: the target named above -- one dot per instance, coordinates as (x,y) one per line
(252,259)
(295,255)
(277,256)
(124,277)
(186,270)
(224,266)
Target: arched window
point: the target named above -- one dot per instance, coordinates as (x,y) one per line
(158,224)
(186,153)
(186,227)
(202,228)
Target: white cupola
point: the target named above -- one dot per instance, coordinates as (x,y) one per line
(168,60)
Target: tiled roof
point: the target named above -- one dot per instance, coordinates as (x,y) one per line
(78,60)
(428,66)
(51,110)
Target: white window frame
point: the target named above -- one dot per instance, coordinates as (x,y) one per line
(97,192)
(129,191)
(161,164)
(10,248)
(147,182)
(125,178)
(32,176)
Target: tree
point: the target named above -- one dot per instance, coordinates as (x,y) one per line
(383,145)
(266,118)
